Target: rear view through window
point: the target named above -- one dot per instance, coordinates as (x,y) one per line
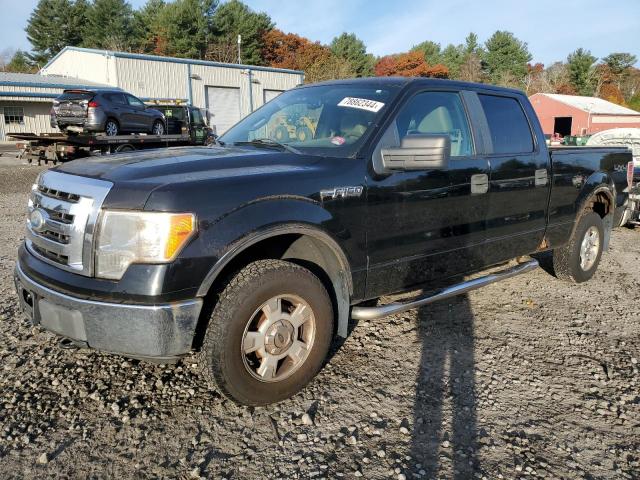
(510,132)
(75,95)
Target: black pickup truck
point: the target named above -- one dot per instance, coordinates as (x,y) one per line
(255,253)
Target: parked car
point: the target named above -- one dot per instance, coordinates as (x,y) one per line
(111,111)
(254,253)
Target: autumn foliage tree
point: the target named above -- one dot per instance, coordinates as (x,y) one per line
(288,50)
(410,64)
(610,92)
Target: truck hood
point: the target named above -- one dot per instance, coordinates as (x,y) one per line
(167,179)
(181,164)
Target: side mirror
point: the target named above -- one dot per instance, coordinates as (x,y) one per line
(422,151)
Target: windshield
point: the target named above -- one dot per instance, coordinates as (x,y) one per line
(75,95)
(327,120)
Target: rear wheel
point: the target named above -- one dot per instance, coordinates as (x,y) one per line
(579,259)
(158,128)
(111,128)
(269,333)
(125,148)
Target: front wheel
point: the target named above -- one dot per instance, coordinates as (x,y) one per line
(579,259)
(158,128)
(269,333)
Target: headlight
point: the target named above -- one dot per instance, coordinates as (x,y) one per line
(140,237)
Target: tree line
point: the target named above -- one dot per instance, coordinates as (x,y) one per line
(208,29)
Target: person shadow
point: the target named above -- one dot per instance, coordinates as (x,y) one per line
(444,435)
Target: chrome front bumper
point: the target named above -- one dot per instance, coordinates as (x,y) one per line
(154,332)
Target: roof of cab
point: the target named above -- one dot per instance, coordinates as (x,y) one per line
(403,81)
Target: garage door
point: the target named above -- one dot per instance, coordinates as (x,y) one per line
(223,105)
(271,94)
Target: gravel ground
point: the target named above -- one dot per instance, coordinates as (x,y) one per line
(526,378)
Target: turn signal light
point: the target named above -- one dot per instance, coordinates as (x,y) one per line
(181,228)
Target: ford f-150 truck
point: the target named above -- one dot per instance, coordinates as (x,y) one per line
(255,253)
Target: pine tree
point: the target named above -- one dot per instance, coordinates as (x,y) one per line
(580,66)
(184,28)
(145,26)
(350,48)
(430,50)
(53,25)
(506,58)
(235,18)
(109,25)
(20,63)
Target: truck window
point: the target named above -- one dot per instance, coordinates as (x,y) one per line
(440,113)
(196,117)
(508,124)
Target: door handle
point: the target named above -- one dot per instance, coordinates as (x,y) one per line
(479,183)
(541,178)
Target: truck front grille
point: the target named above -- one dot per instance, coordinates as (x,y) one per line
(62,231)
(50,192)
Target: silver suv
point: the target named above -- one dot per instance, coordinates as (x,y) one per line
(111,111)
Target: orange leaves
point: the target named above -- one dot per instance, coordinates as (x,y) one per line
(411,64)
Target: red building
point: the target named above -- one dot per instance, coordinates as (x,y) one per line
(574,115)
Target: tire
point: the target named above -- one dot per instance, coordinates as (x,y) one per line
(248,303)
(158,128)
(111,128)
(125,148)
(568,261)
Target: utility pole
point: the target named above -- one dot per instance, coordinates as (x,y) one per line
(239,45)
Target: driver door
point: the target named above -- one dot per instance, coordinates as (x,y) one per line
(426,225)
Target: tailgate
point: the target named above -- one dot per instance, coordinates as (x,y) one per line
(70,109)
(72,104)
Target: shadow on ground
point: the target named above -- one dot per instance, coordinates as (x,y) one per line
(445,429)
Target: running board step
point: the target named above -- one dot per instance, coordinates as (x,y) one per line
(372,313)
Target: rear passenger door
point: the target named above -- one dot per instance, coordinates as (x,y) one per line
(519,179)
(119,108)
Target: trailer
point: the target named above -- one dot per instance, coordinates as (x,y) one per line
(58,147)
(185,125)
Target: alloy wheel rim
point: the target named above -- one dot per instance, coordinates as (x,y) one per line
(158,129)
(278,338)
(112,129)
(589,248)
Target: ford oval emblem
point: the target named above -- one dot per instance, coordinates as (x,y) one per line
(38,219)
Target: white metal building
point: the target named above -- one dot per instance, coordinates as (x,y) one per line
(227,92)
(25,101)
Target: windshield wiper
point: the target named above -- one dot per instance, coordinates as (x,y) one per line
(267,142)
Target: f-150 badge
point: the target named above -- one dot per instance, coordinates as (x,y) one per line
(341,192)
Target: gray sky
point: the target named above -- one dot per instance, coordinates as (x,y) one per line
(552,28)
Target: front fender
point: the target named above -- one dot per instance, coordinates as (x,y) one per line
(244,227)
(273,214)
